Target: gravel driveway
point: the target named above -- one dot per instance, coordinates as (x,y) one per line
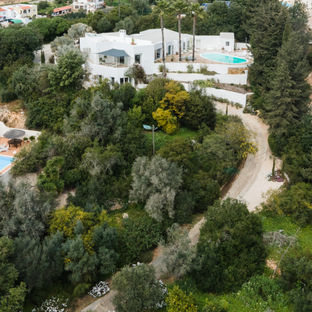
(249,186)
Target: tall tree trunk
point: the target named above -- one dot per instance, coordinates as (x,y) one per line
(194,30)
(179,28)
(163,45)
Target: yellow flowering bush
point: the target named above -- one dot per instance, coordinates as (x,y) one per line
(178,301)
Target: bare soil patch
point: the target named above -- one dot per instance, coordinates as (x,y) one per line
(12,115)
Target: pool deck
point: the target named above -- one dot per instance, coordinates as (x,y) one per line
(199,59)
(12,151)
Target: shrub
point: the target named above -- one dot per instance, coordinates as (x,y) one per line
(178,301)
(161,68)
(81,289)
(296,277)
(204,70)
(295,202)
(190,68)
(214,306)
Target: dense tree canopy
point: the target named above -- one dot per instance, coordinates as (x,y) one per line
(230,248)
(137,289)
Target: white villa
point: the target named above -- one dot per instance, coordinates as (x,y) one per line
(109,55)
(87,5)
(18,11)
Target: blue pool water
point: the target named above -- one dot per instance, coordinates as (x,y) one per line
(222,58)
(5,161)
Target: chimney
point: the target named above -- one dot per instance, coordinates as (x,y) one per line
(122,33)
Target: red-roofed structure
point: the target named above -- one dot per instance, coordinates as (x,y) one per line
(62,10)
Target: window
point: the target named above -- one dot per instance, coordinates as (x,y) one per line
(122,60)
(113,79)
(169,50)
(227,43)
(126,79)
(137,58)
(121,80)
(157,54)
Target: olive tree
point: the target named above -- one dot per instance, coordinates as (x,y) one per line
(178,252)
(137,289)
(155,183)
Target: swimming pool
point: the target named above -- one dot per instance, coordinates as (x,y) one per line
(222,58)
(5,161)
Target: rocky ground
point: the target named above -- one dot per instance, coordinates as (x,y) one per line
(12,115)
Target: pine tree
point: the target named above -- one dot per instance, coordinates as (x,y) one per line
(288,100)
(265,27)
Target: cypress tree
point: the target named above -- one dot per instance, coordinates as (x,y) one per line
(288,100)
(266,28)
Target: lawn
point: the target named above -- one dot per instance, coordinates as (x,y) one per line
(162,138)
(275,223)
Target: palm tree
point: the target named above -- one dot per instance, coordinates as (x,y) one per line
(196,11)
(162,7)
(180,7)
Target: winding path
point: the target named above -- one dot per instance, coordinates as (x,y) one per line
(250,186)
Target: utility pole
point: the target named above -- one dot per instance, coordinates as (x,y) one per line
(153,134)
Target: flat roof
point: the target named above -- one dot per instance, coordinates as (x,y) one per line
(154,35)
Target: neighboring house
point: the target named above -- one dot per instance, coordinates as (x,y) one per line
(22,12)
(109,55)
(88,5)
(307,3)
(4,14)
(62,10)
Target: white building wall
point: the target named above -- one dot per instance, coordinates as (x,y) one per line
(214,43)
(185,77)
(182,66)
(231,96)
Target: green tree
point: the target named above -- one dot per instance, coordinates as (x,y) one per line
(230,248)
(265,27)
(81,265)
(287,102)
(39,262)
(11,296)
(199,111)
(137,289)
(137,236)
(295,202)
(18,43)
(155,183)
(76,31)
(178,301)
(296,272)
(68,73)
(104,120)
(49,180)
(24,211)
(127,24)
(178,252)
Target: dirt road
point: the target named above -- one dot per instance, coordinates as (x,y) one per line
(249,186)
